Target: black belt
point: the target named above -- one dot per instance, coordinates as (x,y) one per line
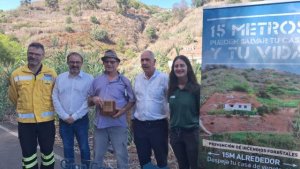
(150,121)
(178,129)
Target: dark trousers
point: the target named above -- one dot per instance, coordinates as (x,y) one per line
(79,129)
(32,134)
(150,135)
(185,144)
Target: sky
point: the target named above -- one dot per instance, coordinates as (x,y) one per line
(13,4)
(9,4)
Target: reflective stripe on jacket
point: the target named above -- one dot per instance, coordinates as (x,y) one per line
(32,94)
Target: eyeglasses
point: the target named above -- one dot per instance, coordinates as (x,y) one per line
(74,62)
(109,61)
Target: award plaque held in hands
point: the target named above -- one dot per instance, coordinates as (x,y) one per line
(109,108)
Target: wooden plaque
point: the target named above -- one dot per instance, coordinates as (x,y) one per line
(109,108)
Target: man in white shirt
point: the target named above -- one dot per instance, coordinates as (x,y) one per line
(70,96)
(150,125)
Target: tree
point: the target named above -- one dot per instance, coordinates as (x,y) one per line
(52,4)
(151,33)
(25,2)
(197,3)
(123,6)
(92,4)
(10,50)
(179,9)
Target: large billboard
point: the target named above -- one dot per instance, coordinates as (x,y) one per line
(250,87)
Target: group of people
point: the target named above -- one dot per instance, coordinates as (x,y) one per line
(37,92)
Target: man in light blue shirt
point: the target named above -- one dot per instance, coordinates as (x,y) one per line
(150,123)
(70,96)
(114,87)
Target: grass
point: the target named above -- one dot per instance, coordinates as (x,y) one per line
(279,103)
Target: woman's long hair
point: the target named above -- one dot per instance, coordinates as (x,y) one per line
(192,84)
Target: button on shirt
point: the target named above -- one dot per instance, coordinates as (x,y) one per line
(151,101)
(70,95)
(119,90)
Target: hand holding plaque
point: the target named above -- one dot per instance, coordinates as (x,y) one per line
(109,108)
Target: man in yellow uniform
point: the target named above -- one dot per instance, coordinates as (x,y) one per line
(30,91)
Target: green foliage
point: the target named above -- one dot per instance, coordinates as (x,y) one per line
(122,6)
(129,53)
(197,70)
(263,110)
(274,89)
(52,4)
(164,16)
(241,87)
(263,94)
(58,60)
(275,140)
(189,39)
(197,3)
(69,29)
(68,9)
(121,45)
(161,61)
(151,33)
(276,102)
(296,126)
(135,4)
(76,11)
(5,72)
(91,63)
(3,17)
(10,50)
(99,34)
(54,41)
(11,55)
(91,4)
(69,20)
(94,20)
(25,2)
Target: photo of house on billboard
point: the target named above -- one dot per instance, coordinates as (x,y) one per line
(250,86)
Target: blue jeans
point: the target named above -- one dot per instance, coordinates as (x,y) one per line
(118,138)
(185,144)
(79,129)
(148,136)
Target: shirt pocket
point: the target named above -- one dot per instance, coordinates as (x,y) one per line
(46,87)
(156,93)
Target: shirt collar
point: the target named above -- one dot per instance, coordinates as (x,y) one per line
(79,75)
(116,79)
(156,72)
(26,69)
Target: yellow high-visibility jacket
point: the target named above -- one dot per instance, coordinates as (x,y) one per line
(32,94)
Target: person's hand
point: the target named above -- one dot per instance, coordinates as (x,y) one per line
(70,120)
(118,114)
(97,101)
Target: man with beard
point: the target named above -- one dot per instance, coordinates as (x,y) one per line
(70,95)
(150,125)
(30,91)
